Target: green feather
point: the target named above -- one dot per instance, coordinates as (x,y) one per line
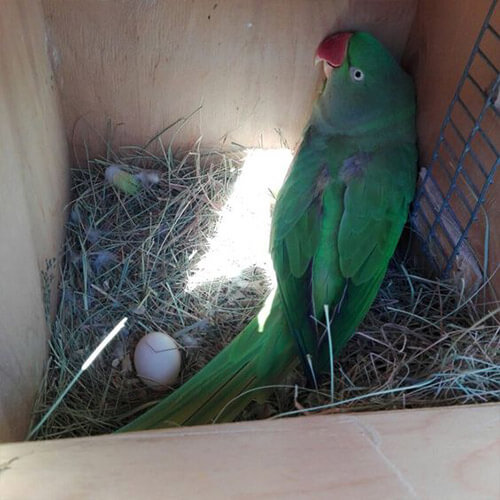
(122,180)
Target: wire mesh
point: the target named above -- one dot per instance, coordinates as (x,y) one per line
(454,186)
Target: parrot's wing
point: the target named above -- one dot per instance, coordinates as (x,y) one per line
(294,240)
(376,204)
(376,201)
(300,188)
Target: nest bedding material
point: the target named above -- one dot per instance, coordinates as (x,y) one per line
(423,343)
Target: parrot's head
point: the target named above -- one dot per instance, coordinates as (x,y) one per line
(365,85)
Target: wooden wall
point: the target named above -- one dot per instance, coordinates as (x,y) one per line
(144,64)
(33,191)
(433,453)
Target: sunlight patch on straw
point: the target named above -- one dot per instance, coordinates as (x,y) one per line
(242,236)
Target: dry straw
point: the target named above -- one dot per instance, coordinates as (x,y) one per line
(424,342)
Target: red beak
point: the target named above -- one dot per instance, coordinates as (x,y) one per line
(333,49)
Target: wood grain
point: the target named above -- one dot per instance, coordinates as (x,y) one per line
(144,64)
(435,453)
(33,190)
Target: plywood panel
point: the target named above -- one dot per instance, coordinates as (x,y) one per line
(144,64)
(437,453)
(33,190)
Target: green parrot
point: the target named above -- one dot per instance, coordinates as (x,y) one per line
(336,224)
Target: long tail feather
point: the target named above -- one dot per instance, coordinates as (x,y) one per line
(261,355)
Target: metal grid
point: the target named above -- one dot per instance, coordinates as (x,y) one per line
(453,187)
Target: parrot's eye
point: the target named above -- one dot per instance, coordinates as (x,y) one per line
(356,74)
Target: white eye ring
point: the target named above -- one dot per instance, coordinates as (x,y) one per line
(356,74)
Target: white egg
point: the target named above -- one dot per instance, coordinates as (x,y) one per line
(157,360)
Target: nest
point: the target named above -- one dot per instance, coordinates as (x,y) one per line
(423,343)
